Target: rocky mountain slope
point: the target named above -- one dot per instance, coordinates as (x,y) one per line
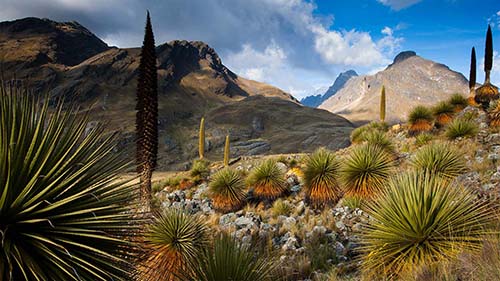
(69,61)
(316,100)
(409,81)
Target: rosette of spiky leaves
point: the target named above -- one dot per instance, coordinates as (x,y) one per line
(227,190)
(380,139)
(443,113)
(458,101)
(494,115)
(461,128)
(366,170)
(420,120)
(321,178)
(172,241)
(229,260)
(485,94)
(64,215)
(423,139)
(419,219)
(267,180)
(358,134)
(439,159)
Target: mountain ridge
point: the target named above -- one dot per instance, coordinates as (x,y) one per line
(316,100)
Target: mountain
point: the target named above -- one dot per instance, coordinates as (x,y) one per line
(316,100)
(68,61)
(409,81)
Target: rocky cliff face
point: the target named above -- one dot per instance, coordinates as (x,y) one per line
(69,61)
(409,81)
(316,100)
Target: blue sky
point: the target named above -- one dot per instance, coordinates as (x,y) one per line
(297,45)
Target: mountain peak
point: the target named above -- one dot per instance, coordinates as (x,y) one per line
(342,78)
(403,56)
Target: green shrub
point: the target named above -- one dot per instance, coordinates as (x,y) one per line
(200,169)
(321,178)
(353,201)
(423,139)
(366,170)
(420,220)
(64,213)
(228,260)
(459,102)
(439,159)
(420,120)
(358,134)
(268,180)
(378,138)
(227,190)
(172,241)
(443,113)
(281,208)
(461,128)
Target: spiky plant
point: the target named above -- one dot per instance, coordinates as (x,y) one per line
(358,134)
(419,219)
(366,170)
(226,152)
(494,115)
(423,139)
(439,159)
(64,215)
(443,113)
(461,128)
(229,260)
(200,169)
(172,241)
(380,139)
(281,208)
(147,114)
(201,139)
(420,120)
(472,78)
(353,201)
(458,101)
(268,180)
(487,92)
(227,190)
(321,178)
(382,105)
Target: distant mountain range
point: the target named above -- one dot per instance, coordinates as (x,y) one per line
(69,61)
(316,100)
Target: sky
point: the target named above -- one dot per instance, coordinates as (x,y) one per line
(297,45)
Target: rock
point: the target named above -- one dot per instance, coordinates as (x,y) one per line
(300,208)
(319,229)
(340,225)
(282,167)
(290,244)
(244,222)
(289,222)
(339,249)
(227,218)
(296,188)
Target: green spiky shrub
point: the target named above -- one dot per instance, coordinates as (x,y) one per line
(200,170)
(380,139)
(443,113)
(64,215)
(227,190)
(281,208)
(358,134)
(420,120)
(458,101)
(267,180)
(172,241)
(439,159)
(419,219)
(366,170)
(229,260)
(321,178)
(423,139)
(461,128)
(353,201)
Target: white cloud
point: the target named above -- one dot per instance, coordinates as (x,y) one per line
(387,31)
(399,4)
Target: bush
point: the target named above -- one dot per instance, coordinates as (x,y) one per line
(321,178)
(268,180)
(461,128)
(420,220)
(281,208)
(172,241)
(366,170)
(227,190)
(228,260)
(420,120)
(423,139)
(378,138)
(358,134)
(459,102)
(439,159)
(443,112)
(200,169)
(64,213)
(353,201)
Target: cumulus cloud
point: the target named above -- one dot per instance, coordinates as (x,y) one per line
(494,20)
(282,42)
(399,4)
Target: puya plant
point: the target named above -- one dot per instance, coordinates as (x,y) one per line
(420,120)
(322,178)
(443,113)
(472,79)
(420,219)
(267,180)
(64,213)
(171,242)
(382,105)
(226,152)
(439,159)
(461,128)
(201,139)
(487,92)
(227,190)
